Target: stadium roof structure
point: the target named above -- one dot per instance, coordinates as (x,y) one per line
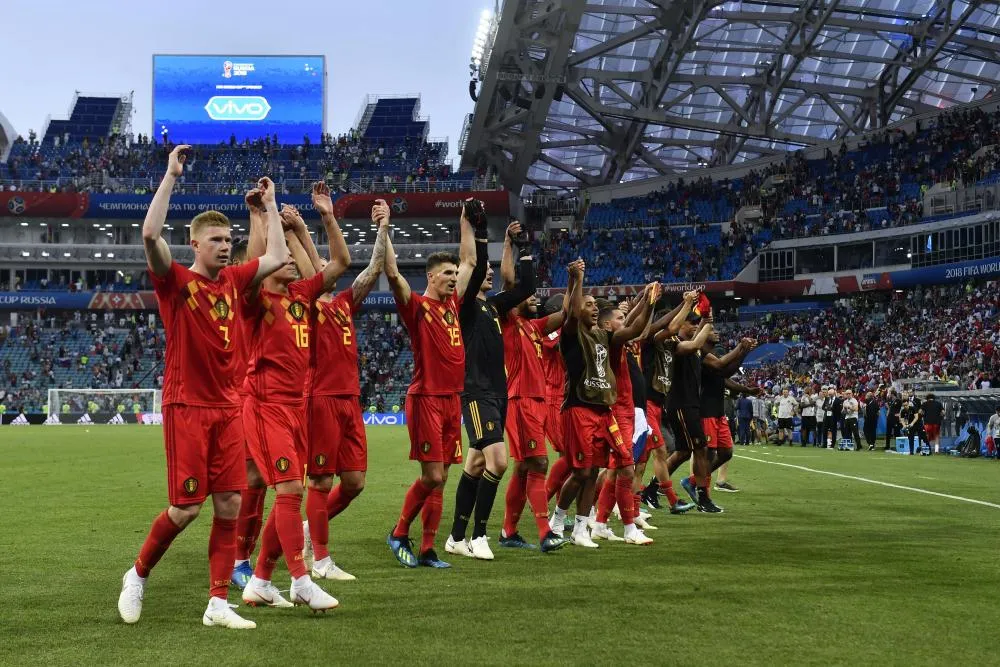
(579,93)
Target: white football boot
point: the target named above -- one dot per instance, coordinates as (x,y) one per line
(263,593)
(130,600)
(460,548)
(220,614)
(326,569)
(305,591)
(480,548)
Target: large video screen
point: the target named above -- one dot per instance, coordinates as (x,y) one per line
(208,99)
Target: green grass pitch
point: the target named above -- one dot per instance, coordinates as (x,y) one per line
(802,569)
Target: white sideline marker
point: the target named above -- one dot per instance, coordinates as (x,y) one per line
(873,481)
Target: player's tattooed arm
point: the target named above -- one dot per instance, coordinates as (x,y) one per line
(397,283)
(157,251)
(339,253)
(366,280)
(574,296)
(277,252)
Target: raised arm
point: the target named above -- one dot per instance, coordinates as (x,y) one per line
(323,204)
(157,251)
(508,299)
(691,346)
(277,251)
(257,241)
(299,255)
(295,226)
(471,232)
(507,276)
(639,316)
(467,309)
(730,362)
(574,296)
(668,325)
(738,388)
(366,280)
(397,283)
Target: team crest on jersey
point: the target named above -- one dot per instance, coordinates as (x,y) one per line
(656,438)
(532,444)
(282,464)
(449,317)
(221,308)
(190,485)
(490,425)
(708,438)
(297,310)
(579,456)
(426,447)
(321,459)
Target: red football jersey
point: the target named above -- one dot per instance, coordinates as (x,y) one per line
(622,378)
(333,359)
(436,340)
(555,368)
(522,352)
(279,347)
(203,340)
(244,325)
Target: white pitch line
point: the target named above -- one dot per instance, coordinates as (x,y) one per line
(873,481)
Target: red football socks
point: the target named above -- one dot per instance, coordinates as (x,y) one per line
(605,501)
(338,500)
(319,522)
(623,494)
(517,495)
(557,477)
(270,548)
(535,487)
(161,534)
(412,504)
(249,521)
(431,518)
(288,522)
(221,549)
(668,486)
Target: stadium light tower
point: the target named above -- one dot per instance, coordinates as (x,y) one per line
(482,36)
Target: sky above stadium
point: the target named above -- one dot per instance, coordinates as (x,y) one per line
(375,47)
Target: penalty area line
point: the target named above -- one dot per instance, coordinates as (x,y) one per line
(872,481)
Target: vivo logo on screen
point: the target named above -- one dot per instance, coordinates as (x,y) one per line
(237,107)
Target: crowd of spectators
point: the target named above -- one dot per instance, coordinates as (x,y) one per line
(946,333)
(124,350)
(122,164)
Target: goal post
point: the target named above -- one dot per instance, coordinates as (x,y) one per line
(104,402)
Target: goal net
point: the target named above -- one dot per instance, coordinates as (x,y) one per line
(103,404)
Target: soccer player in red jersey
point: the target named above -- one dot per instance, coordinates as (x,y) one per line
(619,479)
(201,417)
(274,415)
(555,387)
(588,422)
(433,401)
(336,430)
(523,334)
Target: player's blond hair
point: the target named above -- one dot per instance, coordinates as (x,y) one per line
(208,219)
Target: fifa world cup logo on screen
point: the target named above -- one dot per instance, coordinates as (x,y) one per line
(227,69)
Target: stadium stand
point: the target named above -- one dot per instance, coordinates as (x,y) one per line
(389,151)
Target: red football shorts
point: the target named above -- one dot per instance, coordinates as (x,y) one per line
(435,426)
(590,435)
(526,427)
(336,435)
(932,431)
(277,437)
(717,433)
(204,452)
(621,456)
(553,425)
(654,417)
